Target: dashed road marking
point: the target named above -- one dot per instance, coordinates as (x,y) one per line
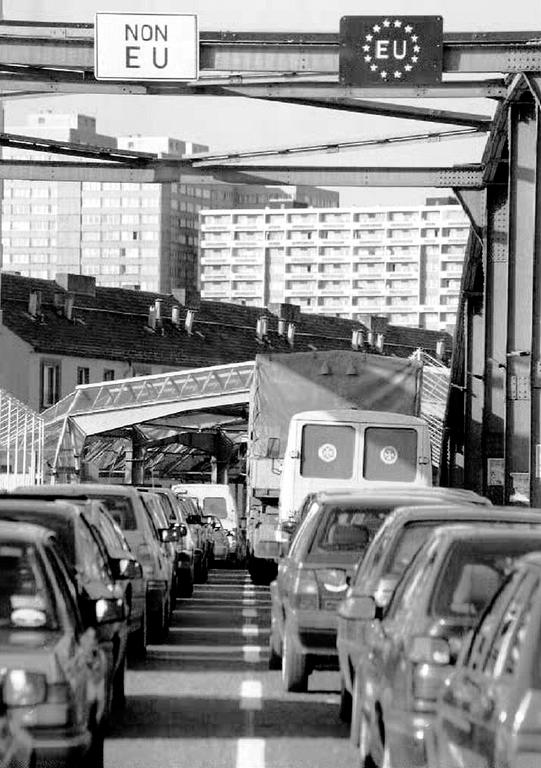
(251,692)
(250,630)
(249,613)
(250,753)
(252,653)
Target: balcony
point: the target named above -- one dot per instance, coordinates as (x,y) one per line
(215,274)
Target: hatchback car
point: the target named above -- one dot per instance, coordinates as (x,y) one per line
(409,653)
(391,551)
(335,530)
(54,670)
(95,577)
(488,712)
(126,507)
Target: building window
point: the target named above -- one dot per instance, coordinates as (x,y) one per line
(83,375)
(108,374)
(50,384)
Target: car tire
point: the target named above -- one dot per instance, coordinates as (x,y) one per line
(363,738)
(157,630)
(94,757)
(294,666)
(185,587)
(275,659)
(138,640)
(344,712)
(119,683)
(198,570)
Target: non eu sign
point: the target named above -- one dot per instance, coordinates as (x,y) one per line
(391,50)
(146,46)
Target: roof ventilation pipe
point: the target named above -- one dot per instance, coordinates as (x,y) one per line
(262,326)
(152,317)
(380,342)
(357,339)
(34,303)
(175,315)
(282,327)
(291,334)
(440,348)
(370,338)
(188,322)
(69,301)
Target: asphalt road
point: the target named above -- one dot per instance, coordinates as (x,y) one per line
(206,698)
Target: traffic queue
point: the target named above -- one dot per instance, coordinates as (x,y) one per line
(428,602)
(89,575)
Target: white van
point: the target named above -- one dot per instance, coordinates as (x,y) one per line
(352,448)
(215,499)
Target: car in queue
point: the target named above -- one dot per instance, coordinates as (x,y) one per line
(166,536)
(391,551)
(219,539)
(96,577)
(313,576)
(126,507)
(132,581)
(410,651)
(184,546)
(54,670)
(200,533)
(488,710)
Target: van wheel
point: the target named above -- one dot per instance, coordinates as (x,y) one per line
(94,756)
(138,640)
(185,587)
(294,667)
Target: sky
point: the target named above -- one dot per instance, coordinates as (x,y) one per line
(240,124)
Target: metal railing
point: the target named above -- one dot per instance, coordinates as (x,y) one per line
(21,443)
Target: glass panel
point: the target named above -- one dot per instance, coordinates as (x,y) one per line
(327,451)
(390,454)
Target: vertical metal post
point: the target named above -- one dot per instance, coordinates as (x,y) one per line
(138,463)
(535,443)
(475,393)
(522,167)
(496,289)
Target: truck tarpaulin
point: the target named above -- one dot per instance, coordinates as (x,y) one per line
(285,384)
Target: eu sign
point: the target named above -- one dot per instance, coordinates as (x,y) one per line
(391,50)
(146,46)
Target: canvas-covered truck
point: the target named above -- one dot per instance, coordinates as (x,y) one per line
(324,420)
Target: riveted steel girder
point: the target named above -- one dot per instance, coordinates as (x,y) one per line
(164,170)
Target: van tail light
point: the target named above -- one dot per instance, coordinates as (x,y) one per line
(305,592)
(430,657)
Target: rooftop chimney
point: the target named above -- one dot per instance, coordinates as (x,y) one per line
(282,325)
(440,348)
(357,339)
(261,328)
(152,317)
(291,334)
(69,301)
(175,315)
(380,342)
(83,285)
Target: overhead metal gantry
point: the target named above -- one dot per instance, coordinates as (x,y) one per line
(493,429)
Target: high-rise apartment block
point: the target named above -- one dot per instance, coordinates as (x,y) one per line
(128,235)
(403,262)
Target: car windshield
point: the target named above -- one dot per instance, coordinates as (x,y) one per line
(120,507)
(215,505)
(349,527)
(472,573)
(24,598)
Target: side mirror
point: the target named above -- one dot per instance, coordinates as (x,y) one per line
(289,527)
(182,529)
(273,448)
(109,609)
(126,569)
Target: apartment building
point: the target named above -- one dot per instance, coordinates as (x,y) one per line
(126,235)
(401,262)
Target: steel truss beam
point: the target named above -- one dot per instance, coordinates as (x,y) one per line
(72,47)
(165,170)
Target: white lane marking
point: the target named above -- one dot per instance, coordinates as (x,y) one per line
(250,630)
(251,692)
(252,653)
(250,753)
(249,613)
(249,601)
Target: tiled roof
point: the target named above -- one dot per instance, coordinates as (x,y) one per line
(113,325)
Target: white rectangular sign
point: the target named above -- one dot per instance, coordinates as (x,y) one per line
(146,46)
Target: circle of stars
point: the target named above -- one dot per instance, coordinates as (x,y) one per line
(396,73)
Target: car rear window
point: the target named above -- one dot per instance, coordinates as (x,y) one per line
(215,505)
(472,573)
(349,528)
(327,451)
(25,599)
(411,539)
(121,510)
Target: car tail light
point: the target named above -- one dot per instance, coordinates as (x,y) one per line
(24,689)
(431,657)
(333,579)
(305,592)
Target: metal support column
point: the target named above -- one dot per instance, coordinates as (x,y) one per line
(475,401)
(522,188)
(138,463)
(535,443)
(496,289)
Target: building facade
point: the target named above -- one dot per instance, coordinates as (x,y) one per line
(404,262)
(128,235)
